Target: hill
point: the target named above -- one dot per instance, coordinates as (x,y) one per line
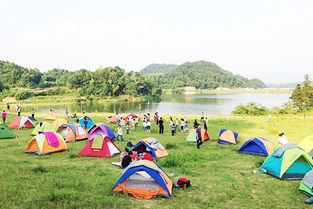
(157,69)
(204,75)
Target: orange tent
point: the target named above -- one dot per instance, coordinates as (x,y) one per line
(73,132)
(44,143)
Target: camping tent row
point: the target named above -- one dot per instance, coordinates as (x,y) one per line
(288,162)
(151,144)
(144,179)
(45,143)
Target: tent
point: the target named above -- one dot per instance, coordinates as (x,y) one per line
(6,133)
(45,143)
(112,120)
(100,146)
(306,185)
(144,179)
(257,146)
(192,136)
(227,136)
(45,128)
(89,123)
(101,129)
(157,150)
(307,144)
(21,122)
(51,116)
(35,122)
(288,162)
(72,132)
(131,116)
(58,122)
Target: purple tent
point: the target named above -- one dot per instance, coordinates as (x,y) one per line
(101,129)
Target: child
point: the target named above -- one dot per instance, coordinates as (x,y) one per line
(173,128)
(120,133)
(144,125)
(127,128)
(282,139)
(133,124)
(148,126)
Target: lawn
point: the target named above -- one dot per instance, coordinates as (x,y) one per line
(222,178)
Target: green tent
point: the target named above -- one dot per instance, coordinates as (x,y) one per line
(6,133)
(192,136)
(44,128)
(288,162)
(306,185)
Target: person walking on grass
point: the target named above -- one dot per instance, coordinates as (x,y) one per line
(195,124)
(4,117)
(173,129)
(198,135)
(205,123)
(33,113)
(40,128)
(18,110)
(161,126)
(171,122)
(148,126)
(8,107)
(127,128)
(120,133)
(156,118)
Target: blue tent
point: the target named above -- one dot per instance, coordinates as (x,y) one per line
(143,145)
(257,146)
(89,123)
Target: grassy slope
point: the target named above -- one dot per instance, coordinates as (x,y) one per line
(225,178)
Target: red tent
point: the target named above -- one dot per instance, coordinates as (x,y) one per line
(21,122)
(100,146)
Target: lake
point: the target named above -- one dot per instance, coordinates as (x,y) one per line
(217,104)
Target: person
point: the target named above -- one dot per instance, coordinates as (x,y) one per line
(77,120)
(133,124)
(205,123)
(195,124)
(202,116)
(4,116)
(127,159)
(122,155)
(148,126)
(40,128)
(269,117)
(136,122)
(173,128)
(156,118)
(148,117)
(161,126)
(18,110)
(282,139)
(8,107)
(199,137)
(122,122)
(120,133)
(176,124)
(171,122)
(66,112)
(134,156)
(127,128)
(117,117)
(185,125)
(147,156)
(85,121)
(144,125)
(33,113)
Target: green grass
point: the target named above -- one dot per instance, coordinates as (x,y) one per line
(224,178)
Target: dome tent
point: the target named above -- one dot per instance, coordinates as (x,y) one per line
(73,132)
(227,136)
(21,122)
(6,133)
(257,146)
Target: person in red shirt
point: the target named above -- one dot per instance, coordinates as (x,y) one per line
(4,116)
(147,156)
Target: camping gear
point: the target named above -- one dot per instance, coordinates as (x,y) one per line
(58,122)
(307,144)
(257,146)
(151,144)
(45,127)
(192,136)
(287,162)
(183,183)
(45,143)
(306,185)
(89,122)
(73,132)
(21,122)
(227,136)
(100,128)
(144,179)
(100,146)
(6,133)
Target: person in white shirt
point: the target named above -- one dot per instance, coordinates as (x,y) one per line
(282,139)
(119,133)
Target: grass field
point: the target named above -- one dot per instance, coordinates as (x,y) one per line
(224,178)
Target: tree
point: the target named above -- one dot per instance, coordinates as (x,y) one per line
(302,96)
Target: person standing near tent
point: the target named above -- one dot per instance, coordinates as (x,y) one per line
(33,113)
(199,137)
(161,126)
(18,110)
(282,139)
(127,128)
(185,125)
(171,122)
(205,123)
(120,133)
(40,128)
(156,118)
(144,125)
(148,126)
(85,121)
(173,128)
(202,117)
(182,125)
(195,124)
(4,116)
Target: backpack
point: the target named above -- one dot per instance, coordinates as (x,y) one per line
(183,183)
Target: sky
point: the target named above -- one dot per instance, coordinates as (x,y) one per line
(269,39)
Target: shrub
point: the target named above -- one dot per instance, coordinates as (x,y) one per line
(22,95)
(250,108)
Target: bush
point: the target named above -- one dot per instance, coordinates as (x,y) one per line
(250,109)
(22,95)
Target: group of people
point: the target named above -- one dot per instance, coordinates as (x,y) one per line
(127,157)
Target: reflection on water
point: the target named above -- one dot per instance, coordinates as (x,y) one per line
(177,104)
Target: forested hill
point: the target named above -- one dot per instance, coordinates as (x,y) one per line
(157,69)
(203,75)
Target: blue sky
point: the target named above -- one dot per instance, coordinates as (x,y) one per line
(269,39)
